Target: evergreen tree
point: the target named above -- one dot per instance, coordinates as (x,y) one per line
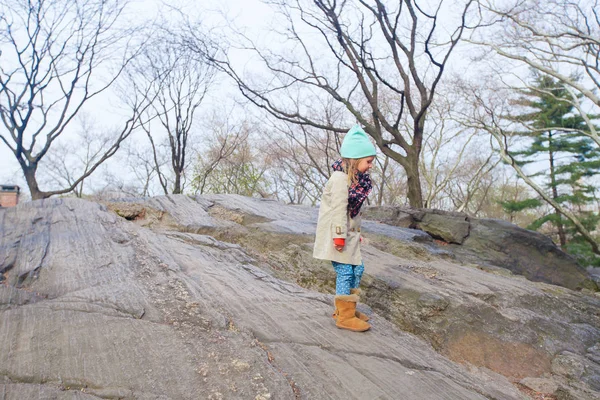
(565,156)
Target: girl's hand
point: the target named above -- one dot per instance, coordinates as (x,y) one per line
(339,243)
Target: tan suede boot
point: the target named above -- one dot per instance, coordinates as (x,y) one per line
(358,314)
(346,305)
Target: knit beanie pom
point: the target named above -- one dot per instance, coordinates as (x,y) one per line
(356,144)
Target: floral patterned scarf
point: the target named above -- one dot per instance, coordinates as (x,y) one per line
(358,191)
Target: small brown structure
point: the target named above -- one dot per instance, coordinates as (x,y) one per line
(9,195)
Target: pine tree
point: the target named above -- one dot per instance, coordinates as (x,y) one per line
(558,143)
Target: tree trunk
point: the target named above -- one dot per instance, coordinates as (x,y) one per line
(382,183)
(413,177)
(562,237)
(177,185)
(410,163)
(561,230)
(29,172)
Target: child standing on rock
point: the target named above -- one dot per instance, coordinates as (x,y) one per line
(338,228)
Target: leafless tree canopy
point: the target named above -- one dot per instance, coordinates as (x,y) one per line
(382,61)
(560,38)
(56,56)
(301,156)
(72,159)
(179,83)
(457,161)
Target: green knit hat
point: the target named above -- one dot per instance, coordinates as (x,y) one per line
(356,144)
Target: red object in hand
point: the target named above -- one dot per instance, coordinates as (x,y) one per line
(339,241)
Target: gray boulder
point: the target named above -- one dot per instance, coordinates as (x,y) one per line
(493,244)
(449,228)
(523,252)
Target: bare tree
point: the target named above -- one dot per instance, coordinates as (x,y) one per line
(243,172)
(142,162)
(456,158)
(376,59)
(180,84)
(53,56)
(116,186)
(388,183)
(507,187)
(382,167)
(560,38)
(74,157)
(222,144)
(302,157)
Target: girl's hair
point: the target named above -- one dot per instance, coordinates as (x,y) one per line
(350,166)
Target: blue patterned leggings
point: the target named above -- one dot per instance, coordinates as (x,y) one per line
(348,276)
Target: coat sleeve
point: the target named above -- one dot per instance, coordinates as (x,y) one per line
(339,207)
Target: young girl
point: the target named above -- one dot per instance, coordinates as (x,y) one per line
(338,227)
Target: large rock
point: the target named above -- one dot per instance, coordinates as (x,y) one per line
(471,312)
(451,227)
(219,297)
(492,243)
(524,252)
(94,305)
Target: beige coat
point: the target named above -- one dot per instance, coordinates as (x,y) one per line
(334,222)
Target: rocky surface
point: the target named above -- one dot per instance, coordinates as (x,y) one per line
(218,297)
(493,243)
